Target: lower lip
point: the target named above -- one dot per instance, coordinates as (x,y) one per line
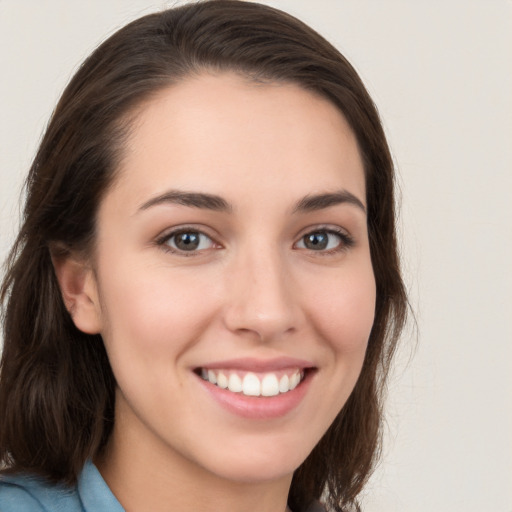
(260,407)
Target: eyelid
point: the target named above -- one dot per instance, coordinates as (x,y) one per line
(346,239)
(162,239)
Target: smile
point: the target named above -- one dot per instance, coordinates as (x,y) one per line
(257,389)
(254,384)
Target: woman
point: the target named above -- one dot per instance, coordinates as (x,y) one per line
(204,297)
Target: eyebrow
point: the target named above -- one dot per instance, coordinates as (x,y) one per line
(190,199)
(216,203)
(321,201)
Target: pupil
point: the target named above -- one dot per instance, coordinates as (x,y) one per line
(187,241)
(316,241)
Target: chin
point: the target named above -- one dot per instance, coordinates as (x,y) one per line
(274,461)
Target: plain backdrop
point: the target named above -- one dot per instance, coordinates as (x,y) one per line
(441,75)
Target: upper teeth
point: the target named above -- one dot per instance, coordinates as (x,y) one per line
(254,384)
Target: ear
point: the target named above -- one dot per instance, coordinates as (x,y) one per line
(79,291)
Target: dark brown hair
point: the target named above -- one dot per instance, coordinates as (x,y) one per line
(56,384)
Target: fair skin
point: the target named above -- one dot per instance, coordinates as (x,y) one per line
(233,240)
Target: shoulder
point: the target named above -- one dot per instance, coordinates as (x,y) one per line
(24,493)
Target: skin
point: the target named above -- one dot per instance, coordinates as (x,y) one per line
(252,290)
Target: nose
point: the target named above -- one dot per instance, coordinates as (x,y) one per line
(261,299)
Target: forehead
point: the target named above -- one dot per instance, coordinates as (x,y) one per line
(222,133)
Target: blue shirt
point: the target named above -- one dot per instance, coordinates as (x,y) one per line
(21,493)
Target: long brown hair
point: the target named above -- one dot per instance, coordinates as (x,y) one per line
(56,384)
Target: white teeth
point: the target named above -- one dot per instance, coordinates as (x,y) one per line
(252,384)
(235,383)
(270,385)
(211,377)
(294,380)
(222,381)
(284,384)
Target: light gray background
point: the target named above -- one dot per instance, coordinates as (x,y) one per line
(441,75)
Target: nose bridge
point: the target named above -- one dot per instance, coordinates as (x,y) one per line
(260,297)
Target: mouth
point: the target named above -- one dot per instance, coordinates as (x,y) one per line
(257,389)
(252,383)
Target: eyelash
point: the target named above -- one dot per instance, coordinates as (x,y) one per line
(163,241)
(345,240)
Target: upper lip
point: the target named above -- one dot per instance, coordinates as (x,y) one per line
(258,365)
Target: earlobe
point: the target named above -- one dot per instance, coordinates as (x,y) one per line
(79,291)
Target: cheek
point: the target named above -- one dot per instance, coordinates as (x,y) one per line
(156,311)
(341,312)
(344,309)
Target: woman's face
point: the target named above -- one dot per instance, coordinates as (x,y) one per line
(233,251)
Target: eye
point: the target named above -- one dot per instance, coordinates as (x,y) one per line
(325,240)
(187,241)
